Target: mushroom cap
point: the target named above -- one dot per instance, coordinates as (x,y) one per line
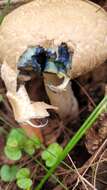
(80,24)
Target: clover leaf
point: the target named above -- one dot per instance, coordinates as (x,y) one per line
(51,154)
(32,144)
(23,180)
(13,153)
(16,137)
(24,183)
(23,173)
(36,141)
(29,147)
(8,173)
(17,142)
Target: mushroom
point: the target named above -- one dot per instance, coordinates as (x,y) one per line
(60,39)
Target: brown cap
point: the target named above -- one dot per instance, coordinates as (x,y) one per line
(80,24)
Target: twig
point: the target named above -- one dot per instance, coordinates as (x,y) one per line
(83,180)
(95,156)
(88,183)
(96,169)
(89,163)
(80,177)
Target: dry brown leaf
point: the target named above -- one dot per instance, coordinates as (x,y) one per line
(23,108)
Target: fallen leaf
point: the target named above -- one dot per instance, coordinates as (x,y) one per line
(23,108)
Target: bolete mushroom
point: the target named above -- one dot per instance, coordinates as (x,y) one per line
(60,39)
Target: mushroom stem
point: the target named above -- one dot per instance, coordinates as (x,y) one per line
(60,87)
(64,100)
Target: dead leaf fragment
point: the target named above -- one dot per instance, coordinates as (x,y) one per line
(23,108)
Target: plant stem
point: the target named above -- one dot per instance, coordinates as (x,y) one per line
(102,106)
(53,176)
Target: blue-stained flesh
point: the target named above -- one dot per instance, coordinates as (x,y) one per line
(46,60)
(32,58)
(60,59)
(26,58)
(63,54)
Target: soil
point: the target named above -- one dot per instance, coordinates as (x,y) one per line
(89,155)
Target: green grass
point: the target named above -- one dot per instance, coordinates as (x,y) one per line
(86,125)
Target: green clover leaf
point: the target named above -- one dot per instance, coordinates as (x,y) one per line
(51,154)
(24,183)
(32,144)
(17,142)
(12,142)
(7,173)
(23,180)
(36,141)
(13,153)
(16,137)
(29,147)
(23,173)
